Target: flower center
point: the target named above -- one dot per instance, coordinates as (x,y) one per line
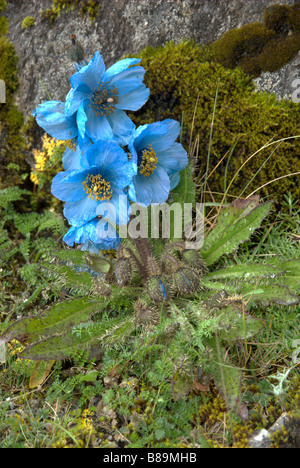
(104,99)
(148,161)
(97,187)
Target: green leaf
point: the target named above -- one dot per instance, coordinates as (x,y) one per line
(185,192)
(182,384)
(238,325)
(81,258)
(245,272)
(271,293)
(228,216)
(62,346)
(56,320)
(236,225)
(291,269)
(72,278)
(226,377)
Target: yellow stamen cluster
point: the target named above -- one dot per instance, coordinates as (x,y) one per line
(104,99)
(149,161)
(97,187)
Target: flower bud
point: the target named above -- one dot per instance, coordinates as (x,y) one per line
(186,280)
(157,289)
(194,260)
(123,271)
(102,288)
(144,314)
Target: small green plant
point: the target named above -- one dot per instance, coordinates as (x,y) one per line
(25,239)
(28,22)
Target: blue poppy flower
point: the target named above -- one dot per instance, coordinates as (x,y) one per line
(95,235)
(50,115)
(99,98)
(97,189)
(157,160)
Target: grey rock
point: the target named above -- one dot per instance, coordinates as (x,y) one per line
(262,438)
(121,27)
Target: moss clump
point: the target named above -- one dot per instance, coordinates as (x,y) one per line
(276,17)
(90,7)
(278,52)
(11,119)
(266,46)
(28,22)
(183,82)
(248,40)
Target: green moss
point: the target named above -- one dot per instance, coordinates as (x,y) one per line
(236,43)
(183,82)
(90,7)
(276,17)
(278,52)
(12,143)
(294,17)
(266,46)
(28,22)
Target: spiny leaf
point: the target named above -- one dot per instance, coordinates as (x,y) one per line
(271,293)
(246,271)
(291,269)
(81,258)
(63,346)
(57,320)
(226,377)
(72,278)
(228,216)
(238,325)
(232,234)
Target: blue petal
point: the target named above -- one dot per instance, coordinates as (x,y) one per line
(112,163)
(97,231)
(97,127)
(72,159)
(161,135)
(121,125)
(134,99)
(75,98)
(174,180)
(173,159)
(117,210)
(67,186)
(127,79)
(80,212)
(119,67)
(91,74)
(51,117)
(81,120)
(152,189)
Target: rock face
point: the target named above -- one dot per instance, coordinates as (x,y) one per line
(121,27)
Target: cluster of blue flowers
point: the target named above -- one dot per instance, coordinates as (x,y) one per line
(109,162)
